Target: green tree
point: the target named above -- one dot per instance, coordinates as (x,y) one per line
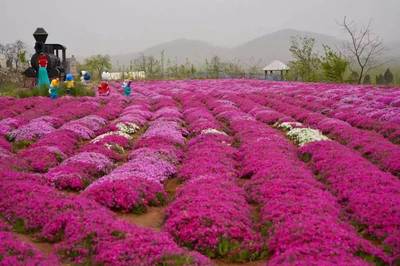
(334,65)
(215,67)
(306,63)
(354,77)
(380,79)
(367,79)
(388,77)
(97,64)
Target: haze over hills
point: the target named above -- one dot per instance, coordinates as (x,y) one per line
(260,51)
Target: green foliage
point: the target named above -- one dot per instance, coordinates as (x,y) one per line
(379,79)
(139,209)
(223,247)
(11,89)
(214,67)
(8,88)
(306,63)
(372,259)
(388,77)
(19,145)
(22,57)
(79,90)
(19,226)
(118,234)
(175,260)
(97,64)
(354,77)
(367,79)
(334,65)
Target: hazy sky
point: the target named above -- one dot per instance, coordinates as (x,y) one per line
(122,26)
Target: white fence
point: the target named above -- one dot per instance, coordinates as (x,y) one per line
(135,75)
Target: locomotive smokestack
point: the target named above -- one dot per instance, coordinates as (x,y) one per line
(40,35)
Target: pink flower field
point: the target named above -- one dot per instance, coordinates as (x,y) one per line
(208,172)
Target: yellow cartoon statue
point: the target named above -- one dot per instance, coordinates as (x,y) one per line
(53,90)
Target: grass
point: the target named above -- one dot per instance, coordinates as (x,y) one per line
(12,90)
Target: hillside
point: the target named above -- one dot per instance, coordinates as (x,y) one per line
(263,49)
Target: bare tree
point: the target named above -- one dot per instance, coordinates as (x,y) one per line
(19,56)
(364,47)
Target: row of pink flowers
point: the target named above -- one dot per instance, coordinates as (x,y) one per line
(365,108)
(82,231)
(370,144)
(137,184)
(95,158)
(370,196)
(299,218)
(50,150)
(210,213)
(16,252)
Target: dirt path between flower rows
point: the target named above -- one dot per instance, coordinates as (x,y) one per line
(254,263)
(46,248)
(155,216)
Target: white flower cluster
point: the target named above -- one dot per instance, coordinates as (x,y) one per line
(212,131)
(118,133)
(302,136)
(115,147)
(128,128)
(287,126)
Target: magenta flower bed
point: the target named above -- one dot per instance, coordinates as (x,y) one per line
(300,220)
(238,189)
(210,213)
(83,231)
(136,184)
(131,194)
(79,171)
(17,253)
(217,225)
(370,196)
(42,158)
(64,140)
(371,145)
(31,131)
(208,154)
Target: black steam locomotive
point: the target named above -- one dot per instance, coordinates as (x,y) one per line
(55,53)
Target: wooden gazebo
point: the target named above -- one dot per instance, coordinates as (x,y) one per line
(275,66)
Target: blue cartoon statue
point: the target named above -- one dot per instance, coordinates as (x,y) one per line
(85,77)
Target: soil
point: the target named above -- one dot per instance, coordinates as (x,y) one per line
(254,263)
(46,248)
(171,186)
(153,218)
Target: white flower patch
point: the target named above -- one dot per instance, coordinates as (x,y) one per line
(111,133)
(115,147)
(303,136)
(213,131)
(287,126)
(128,128)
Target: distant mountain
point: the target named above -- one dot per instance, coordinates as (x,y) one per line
(392,53)
(261,50)
(276,45)
(178,50)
